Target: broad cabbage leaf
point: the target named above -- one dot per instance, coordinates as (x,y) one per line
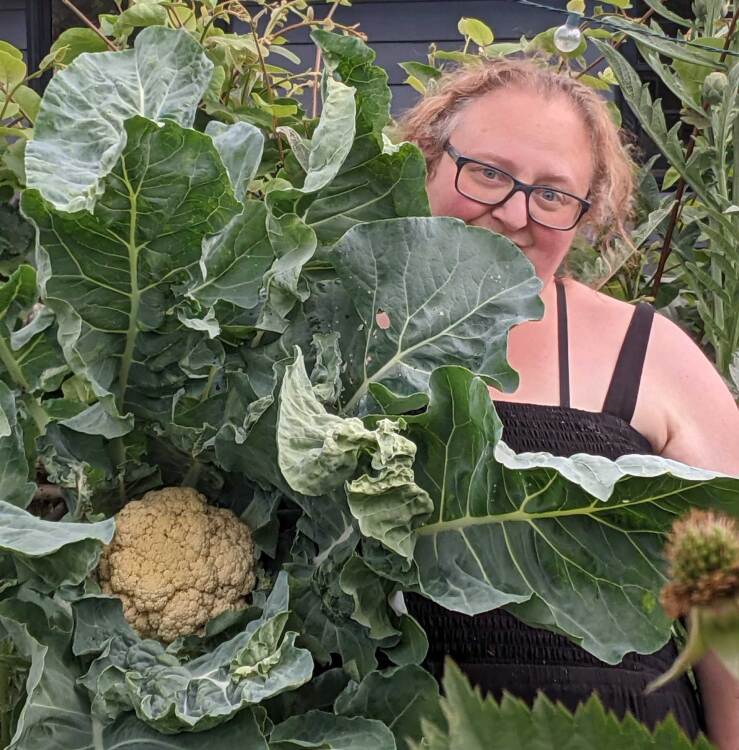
(582,537)
(78,137)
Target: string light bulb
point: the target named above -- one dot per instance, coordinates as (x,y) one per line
(567,37)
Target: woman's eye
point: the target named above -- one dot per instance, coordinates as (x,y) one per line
(489,174)
(551,195)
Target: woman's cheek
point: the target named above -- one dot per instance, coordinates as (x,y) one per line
(445,203)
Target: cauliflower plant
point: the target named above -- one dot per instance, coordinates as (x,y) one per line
(176,562)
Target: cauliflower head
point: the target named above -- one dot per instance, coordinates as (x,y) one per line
(176,562)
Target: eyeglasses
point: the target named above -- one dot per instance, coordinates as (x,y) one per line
(492,186)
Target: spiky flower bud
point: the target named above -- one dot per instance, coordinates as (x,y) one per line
(714,85)
(703,555)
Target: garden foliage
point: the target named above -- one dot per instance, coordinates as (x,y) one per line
(288,330)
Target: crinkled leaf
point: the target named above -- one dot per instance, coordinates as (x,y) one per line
(583,534)
(79,134)
(256,664)
(326,373)
(56,713)
(318,451)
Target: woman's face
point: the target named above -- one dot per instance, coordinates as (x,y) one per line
(537,140)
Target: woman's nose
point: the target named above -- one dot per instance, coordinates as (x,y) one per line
(513,214)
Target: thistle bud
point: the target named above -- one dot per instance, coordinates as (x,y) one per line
(703,555)
(714,85)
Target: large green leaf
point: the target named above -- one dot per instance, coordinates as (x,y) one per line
(57,552)
(351,61)
(326,731)
(333,138)
(293,241)
(477,723)
(79,134)
(424,291)
(108,275)
(400,697)
(16,489)
(580,536)
(240,146)
(235,260)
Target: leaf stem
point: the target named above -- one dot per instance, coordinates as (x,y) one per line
(270,93)
(89,23)
(12,366)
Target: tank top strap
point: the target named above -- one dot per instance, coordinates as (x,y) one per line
(624,387)
(563,346)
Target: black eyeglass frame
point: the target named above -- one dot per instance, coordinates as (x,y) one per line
(518,186)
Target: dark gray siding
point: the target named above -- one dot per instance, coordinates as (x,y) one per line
(13,23)
(398,30)
(401,30)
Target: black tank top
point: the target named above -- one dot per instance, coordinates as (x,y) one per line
(497,651)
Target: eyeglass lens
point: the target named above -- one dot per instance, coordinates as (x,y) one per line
(546,205)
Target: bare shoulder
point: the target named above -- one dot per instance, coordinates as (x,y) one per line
(702,416)
(684,407)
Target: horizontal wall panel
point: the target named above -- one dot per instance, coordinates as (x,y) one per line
(427,20)
(13,26)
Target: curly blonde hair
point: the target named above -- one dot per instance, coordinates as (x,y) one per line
(431,121)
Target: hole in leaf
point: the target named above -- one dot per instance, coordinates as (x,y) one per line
(382,319)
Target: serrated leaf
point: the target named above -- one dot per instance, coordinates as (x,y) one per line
(473,720)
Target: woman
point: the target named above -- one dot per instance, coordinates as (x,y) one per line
(596,375)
